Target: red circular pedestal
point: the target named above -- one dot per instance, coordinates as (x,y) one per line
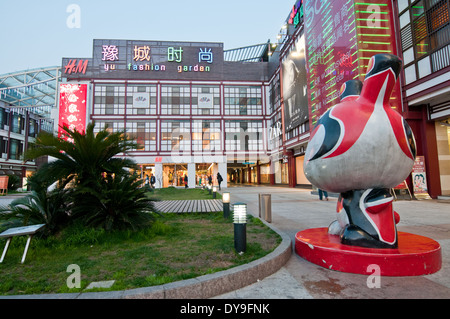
(416,255)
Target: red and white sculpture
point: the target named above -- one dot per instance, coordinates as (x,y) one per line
(361,148)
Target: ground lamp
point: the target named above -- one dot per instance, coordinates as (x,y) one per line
(214,191)
(209,189)
(240,230)
(226,204)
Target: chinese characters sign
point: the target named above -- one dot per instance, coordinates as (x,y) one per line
(72,107)
(135,59)
(341,37)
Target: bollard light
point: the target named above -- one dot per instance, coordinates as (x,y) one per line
(226,204)
(240,213)
(240,230)
(209,189)
(214,191)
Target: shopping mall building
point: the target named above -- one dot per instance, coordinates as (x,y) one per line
(198,110)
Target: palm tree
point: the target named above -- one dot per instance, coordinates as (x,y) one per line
(82,158)
(103,192)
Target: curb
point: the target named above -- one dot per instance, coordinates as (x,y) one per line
(203,287)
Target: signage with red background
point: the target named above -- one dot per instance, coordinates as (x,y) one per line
(72,107)
(341,36)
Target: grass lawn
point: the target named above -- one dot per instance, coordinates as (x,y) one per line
(176,247)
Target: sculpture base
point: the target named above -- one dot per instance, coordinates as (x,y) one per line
(416,255)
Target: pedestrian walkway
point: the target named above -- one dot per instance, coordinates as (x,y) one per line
(295,209)
(189,206)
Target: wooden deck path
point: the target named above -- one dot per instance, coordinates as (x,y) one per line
(189,206)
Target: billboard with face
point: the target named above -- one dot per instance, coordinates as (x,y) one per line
(294,86)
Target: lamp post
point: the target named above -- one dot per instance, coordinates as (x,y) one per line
(214,191)
(240,227)
(226,204)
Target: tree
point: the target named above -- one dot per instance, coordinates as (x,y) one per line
(82,158)
(102,190)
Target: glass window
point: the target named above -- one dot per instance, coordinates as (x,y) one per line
(402,5)
(109,99)
(410,74)
(175,100)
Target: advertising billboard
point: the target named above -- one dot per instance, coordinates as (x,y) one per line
(72,107)
(341,37)
(294,86)
(331,50)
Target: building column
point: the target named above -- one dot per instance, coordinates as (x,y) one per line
(191,175)
(159,175)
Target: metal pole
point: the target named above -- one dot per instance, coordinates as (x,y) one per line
(267,200)
(5,249)
(26,248)
(240,237)
(226,210)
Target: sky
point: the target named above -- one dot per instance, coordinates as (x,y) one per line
(38,33)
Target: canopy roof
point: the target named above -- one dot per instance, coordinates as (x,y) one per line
(35,88)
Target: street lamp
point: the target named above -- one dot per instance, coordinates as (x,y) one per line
(240,227)
(226,204)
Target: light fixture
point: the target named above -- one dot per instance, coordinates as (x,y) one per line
(226,204)
(240,229)
(214,191)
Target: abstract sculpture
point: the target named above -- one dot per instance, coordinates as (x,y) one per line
(361,148)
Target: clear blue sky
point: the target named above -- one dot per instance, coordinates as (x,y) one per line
(34,33)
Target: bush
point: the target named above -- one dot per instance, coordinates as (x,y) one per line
(117,203)
(13,182)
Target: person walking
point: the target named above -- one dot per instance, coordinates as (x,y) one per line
(152,180)
(219,179)
(185,181)
(323,193)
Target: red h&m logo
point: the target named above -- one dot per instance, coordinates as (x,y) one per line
(73,67)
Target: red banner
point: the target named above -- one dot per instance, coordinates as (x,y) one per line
(72,107)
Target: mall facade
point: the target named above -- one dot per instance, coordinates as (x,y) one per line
(198,110)
(191,112)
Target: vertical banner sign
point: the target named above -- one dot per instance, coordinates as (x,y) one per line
(294,86)
(331,48)
(419,178)
(341,37)
(72,107)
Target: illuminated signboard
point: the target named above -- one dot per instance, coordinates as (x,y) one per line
(294,86)
(76,66)
(341,36)
(133,59)
(296,15)
(72,107)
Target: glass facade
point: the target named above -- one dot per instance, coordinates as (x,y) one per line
(425,37)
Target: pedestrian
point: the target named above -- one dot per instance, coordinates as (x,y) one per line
(147,182)
(219,179)
(152,180)
(323,193)
(209,180)
(185,181)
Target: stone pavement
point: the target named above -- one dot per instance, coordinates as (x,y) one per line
(295,209)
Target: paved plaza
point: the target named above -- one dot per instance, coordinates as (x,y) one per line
(295,209)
